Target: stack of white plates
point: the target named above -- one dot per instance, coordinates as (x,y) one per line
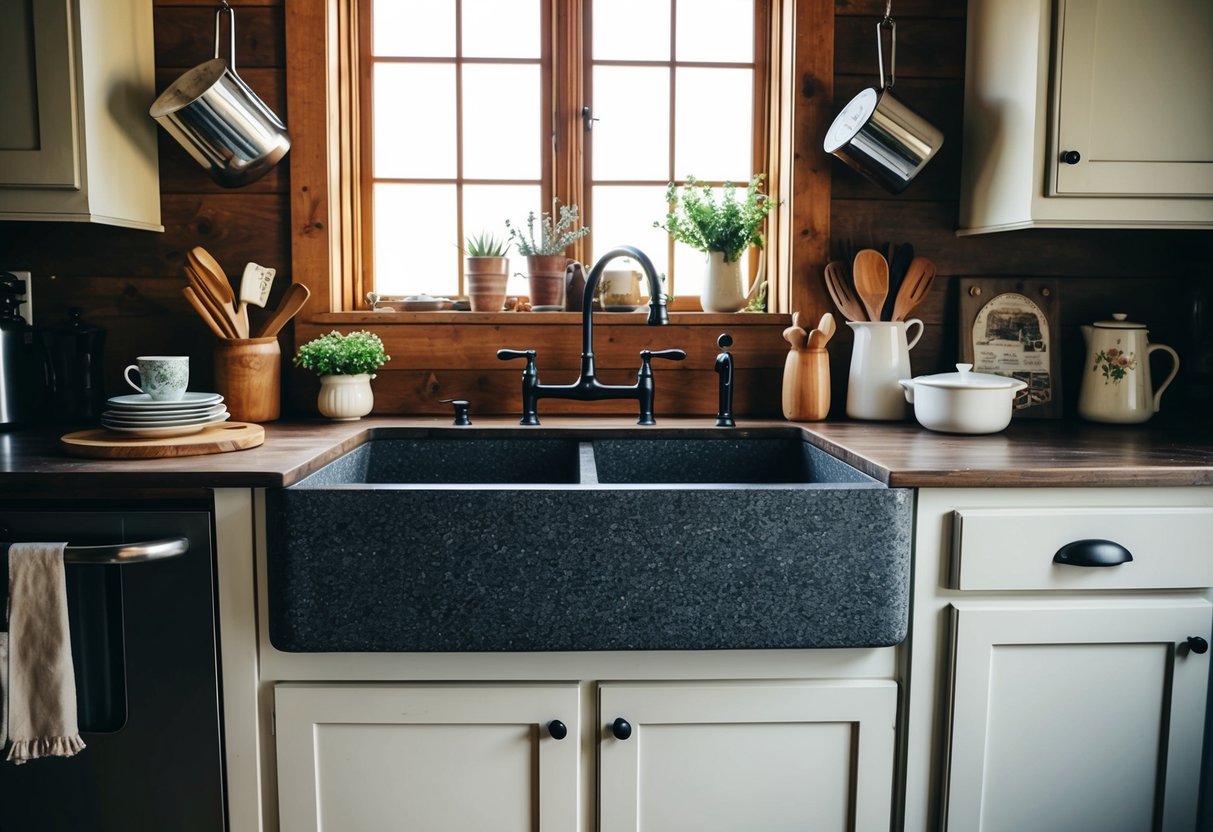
(142,416)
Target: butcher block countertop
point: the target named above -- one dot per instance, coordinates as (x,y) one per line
(1028,453)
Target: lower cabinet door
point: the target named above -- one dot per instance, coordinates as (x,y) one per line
(722,757)
(449,758)
(1077,715)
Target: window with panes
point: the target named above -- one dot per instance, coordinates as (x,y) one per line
(461,102)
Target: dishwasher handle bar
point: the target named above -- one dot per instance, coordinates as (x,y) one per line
(122,553)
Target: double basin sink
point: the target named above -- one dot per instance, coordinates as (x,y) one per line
(538,539)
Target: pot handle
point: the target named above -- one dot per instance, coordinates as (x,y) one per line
(231,33)
(921,327)
(887,23)
(1170,376)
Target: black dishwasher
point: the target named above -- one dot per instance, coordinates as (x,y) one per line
(143,645)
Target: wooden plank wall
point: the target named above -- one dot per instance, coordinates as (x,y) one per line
(129,281)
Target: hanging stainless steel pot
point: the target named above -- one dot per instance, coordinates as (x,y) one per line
(879,136)
(219,120)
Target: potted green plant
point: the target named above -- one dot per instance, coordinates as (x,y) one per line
(545,254)
(346,365)
(487,271)
(723,230)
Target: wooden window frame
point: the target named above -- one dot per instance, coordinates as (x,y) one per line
(326,205)
(323,109)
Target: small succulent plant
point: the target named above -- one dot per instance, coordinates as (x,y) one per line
(486,244)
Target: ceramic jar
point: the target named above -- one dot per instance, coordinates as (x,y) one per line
(345,398)
(723,288)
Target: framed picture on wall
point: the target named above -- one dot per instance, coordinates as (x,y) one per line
(1010,327)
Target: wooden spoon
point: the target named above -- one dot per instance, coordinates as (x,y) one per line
(914,288)
(203,312)
(296,295)
(841,292)
(219,313)
(795,334)
(218,286)
(821,336)
(871,272)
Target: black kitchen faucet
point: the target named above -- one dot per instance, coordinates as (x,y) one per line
(587,387)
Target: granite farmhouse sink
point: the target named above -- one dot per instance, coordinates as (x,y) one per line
(551,539)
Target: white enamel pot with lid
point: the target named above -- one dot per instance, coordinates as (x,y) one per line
(964,401)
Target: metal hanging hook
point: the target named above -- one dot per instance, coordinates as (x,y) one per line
(891,25)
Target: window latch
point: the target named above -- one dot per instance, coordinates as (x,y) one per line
(587,118)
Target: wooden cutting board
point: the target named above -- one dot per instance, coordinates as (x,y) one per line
(99,443)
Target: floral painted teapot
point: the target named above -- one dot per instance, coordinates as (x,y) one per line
(1116,383)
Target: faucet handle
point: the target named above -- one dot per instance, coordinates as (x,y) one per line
(669,355)
(507,355)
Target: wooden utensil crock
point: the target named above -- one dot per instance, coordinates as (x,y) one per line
(248,373)
(806,385)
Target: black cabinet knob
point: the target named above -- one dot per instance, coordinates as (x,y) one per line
(621,729)
(1197,645)
(1071,157)
(557,729)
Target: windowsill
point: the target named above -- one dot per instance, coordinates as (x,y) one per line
(534,318)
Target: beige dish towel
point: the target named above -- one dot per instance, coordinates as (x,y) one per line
(40,690)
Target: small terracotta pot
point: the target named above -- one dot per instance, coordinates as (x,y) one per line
(545,276)
(248,374)
(486,282)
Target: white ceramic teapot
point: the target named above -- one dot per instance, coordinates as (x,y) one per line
(1116,383)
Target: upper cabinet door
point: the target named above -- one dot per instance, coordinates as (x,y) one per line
(38,130)
(1134,113)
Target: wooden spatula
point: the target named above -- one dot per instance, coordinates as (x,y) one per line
(296,295)
(914,288)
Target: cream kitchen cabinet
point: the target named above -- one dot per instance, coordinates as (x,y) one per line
(775,756)
(1081,113)
(363,758)
(713,757)
(76,141)
(1047,695)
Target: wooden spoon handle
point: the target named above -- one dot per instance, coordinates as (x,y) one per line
(205,314)
(296,295)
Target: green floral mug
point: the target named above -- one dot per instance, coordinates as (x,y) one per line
(164,378)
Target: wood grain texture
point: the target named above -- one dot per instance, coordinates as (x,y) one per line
(99,443)
(129,281)
(248,373)
(903,455)
(806,385)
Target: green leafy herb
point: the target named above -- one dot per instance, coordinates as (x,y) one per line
(343,355)
(553,239)
(728,226)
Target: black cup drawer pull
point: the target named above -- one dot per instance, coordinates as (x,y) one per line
(1092,553)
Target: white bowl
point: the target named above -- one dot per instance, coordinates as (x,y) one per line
(964,401)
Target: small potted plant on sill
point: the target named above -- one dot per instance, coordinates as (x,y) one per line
(723,230)
(487,270)
(545,256)
(346,365)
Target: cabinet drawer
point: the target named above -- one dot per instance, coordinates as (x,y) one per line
(995,548)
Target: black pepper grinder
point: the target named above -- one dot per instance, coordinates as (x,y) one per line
(724,368)
(75,371)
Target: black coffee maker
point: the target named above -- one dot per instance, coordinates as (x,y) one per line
(22,382)
(75,382)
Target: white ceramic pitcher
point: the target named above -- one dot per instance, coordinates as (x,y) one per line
(1116,384)
(880,359)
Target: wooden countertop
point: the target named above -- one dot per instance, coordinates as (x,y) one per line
(1028,453)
